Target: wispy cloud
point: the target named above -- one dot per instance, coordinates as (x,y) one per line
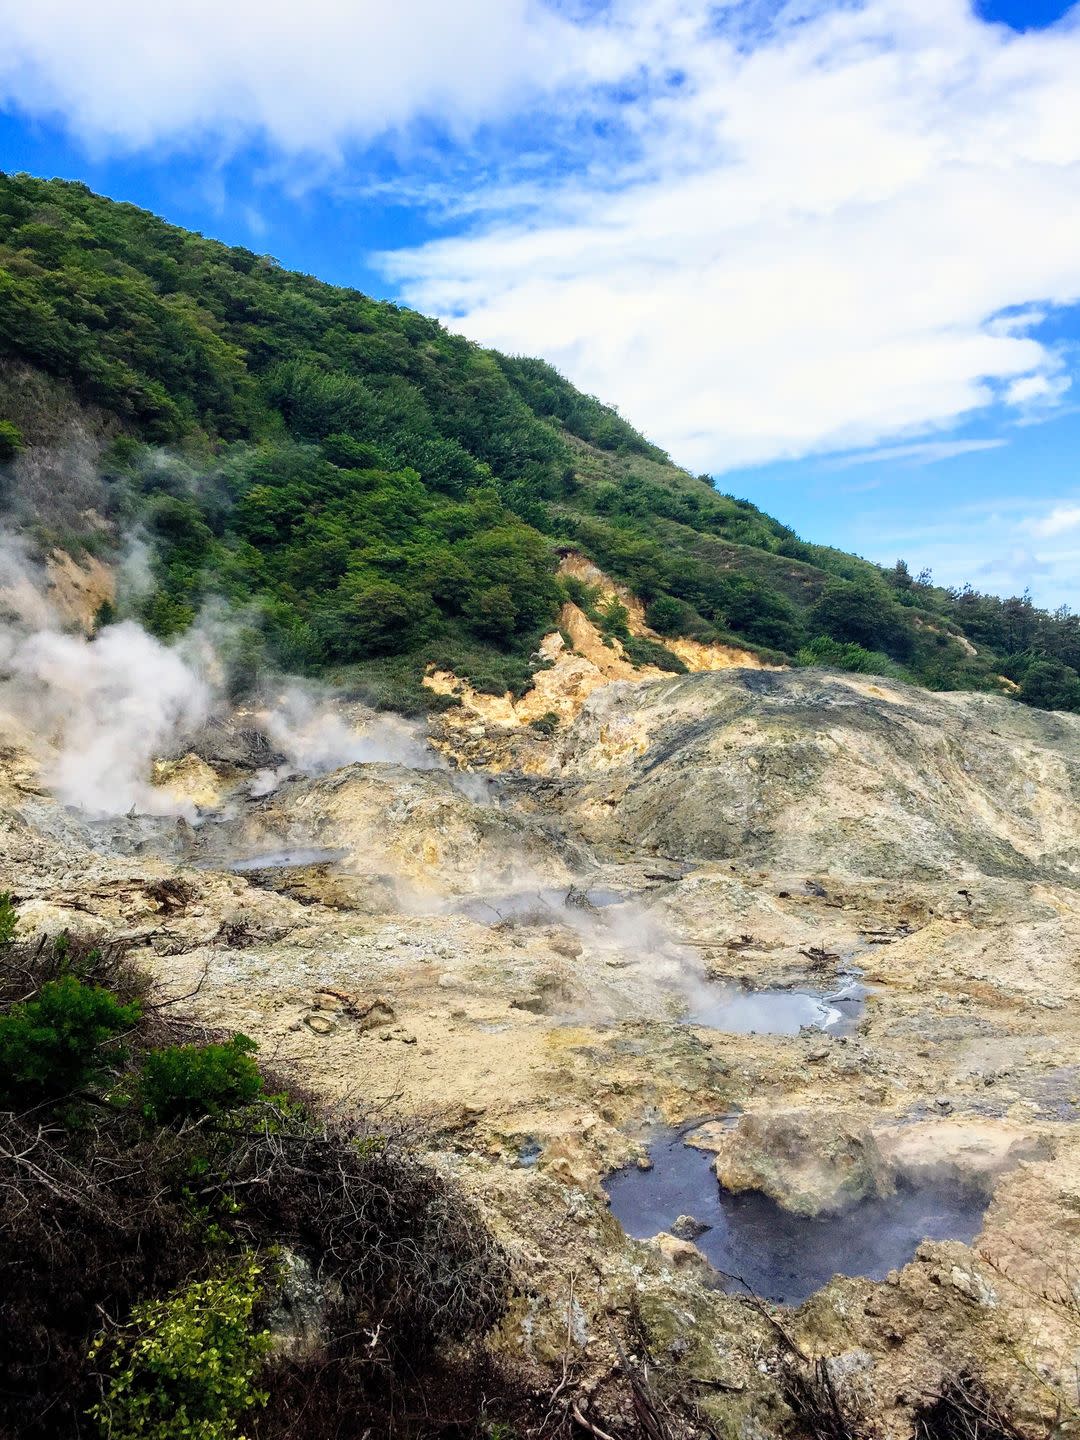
(924,452)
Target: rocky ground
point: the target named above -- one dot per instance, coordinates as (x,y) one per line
(514,959)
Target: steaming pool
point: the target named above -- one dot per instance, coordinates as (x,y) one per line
(539,906)
(739,1011)
(781,1256)
(286,860)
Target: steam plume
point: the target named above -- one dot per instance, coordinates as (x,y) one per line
(99,709)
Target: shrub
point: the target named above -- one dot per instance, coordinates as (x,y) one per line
(1050,685)
(547,723)
(578,593)
(61,1041)
(668,616)
(834,654)
(184,1082)
(105,1213)
(615,620)
(640,651)
(11,441)
(8,919)
(862,612)
(963,1407)
(186,1367)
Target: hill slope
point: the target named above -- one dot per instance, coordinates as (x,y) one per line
(375,492)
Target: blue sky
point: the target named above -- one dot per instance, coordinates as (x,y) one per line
(828,250)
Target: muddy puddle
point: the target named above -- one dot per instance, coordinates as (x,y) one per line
(781,1256)
(286,859)
(737,1010)
(539,907)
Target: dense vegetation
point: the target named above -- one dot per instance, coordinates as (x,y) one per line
(191,1251)
(375,493)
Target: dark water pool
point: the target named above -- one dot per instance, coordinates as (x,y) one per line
(785,1257)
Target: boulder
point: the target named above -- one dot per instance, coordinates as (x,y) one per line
(810,1162)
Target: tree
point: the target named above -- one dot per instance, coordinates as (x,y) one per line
(1051,685)
(863,612)
(61,1040)
(367,617)
(899,577)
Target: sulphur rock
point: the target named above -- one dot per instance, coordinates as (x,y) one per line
(968,1152)
(319,1023)
(808,1162)
(681,1254)
(189,780)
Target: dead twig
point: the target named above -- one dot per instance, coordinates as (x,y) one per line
(575,1411)
(759,1305)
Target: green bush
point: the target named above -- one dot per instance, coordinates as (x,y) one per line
(668,616)
(8,919)
(615,620)
(863,612)
(1050,685)
(61,1041)
(11,441)
(547,723)
(640,651)
(184,1082)
(186,1367)
(833,654)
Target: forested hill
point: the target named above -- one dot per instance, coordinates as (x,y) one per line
(373,493)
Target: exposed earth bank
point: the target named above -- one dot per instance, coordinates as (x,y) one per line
(524,959)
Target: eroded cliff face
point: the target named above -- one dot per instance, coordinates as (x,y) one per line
(494,731)
(535,962)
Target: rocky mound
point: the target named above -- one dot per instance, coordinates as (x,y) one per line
(802,769)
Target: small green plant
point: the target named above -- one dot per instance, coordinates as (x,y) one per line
(641,651)
(547,723)
(9,920)
(615,620)
(61,1041)
(846,655)
(668,616)
(184,1082)
(11,441)
(186,1367)
(105,614)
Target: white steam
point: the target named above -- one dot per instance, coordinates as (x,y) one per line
(98,711)
(22,592)
(109,706)
(315,738)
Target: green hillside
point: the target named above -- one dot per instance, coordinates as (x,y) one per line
(373,493)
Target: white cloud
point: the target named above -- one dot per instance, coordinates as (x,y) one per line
(1036,390)
(1060,520)
(812,244)
(311,77)
(997,546)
